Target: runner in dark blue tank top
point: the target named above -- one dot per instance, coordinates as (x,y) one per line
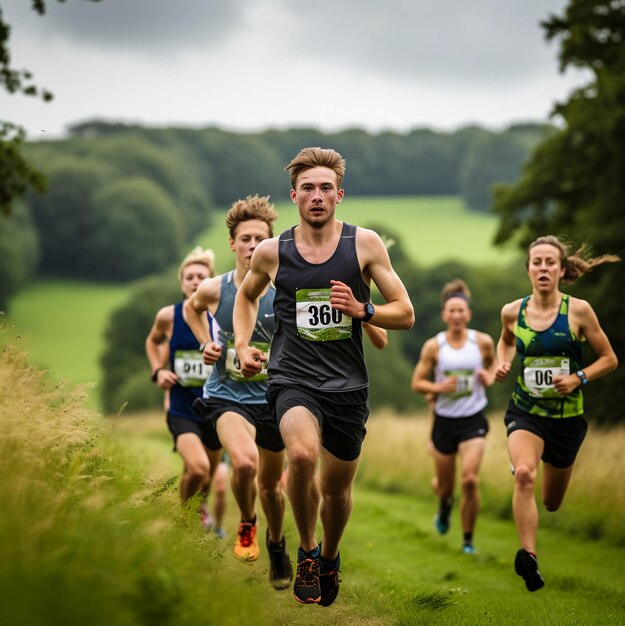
(236,404)
(171,341)
(318,385)
(545,418)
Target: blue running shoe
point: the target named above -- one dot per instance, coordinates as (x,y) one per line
(468,548)
(441,524)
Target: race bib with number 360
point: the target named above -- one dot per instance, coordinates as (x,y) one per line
(317,320)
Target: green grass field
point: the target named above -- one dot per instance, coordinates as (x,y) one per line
(433,229)
(61,324)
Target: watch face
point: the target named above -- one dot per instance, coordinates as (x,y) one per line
(369,310)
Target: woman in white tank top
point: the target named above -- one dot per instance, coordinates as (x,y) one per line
(453,370)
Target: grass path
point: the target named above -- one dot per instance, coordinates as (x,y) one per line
(397,570)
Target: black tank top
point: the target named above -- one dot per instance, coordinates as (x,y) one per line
(314,345)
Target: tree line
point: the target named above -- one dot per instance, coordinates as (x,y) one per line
(123,202)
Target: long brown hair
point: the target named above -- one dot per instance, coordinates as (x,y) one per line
(575,264)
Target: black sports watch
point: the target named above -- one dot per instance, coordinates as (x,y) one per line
(369,311)
(202,346)
(582,376)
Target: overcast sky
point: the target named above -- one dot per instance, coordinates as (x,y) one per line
(253,64)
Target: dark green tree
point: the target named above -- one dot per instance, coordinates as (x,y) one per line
(491,159)
(574,184)
(126,372)
(63,214)
(17,176)
(135,230)
(19,251)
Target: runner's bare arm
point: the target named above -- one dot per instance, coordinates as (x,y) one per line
(587,323)
(506,346)
(246,305)
(398,312)
(205,298)
(157,350)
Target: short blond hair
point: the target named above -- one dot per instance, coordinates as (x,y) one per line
(252,208)
(308,158)
(201,256)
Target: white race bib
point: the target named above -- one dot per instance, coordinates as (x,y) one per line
(190,368)
(316,320)
(539,372)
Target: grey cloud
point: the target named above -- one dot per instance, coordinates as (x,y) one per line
(146,25)
(486,41)
(478,42)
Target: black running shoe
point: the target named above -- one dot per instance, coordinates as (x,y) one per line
(280,568)
(306,588)
(441,519)
(329,581)
(526,566)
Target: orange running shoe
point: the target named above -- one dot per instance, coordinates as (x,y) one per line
(246,547)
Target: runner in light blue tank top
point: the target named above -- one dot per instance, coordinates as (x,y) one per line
(236,405)
(227,382)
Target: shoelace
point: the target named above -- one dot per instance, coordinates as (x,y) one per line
(246,534)
(307,574)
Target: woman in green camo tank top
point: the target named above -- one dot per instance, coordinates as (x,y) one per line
(545,418)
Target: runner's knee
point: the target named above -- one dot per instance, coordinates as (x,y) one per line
(524,476)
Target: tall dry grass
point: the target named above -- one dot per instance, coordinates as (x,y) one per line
(395,458)
(91,529)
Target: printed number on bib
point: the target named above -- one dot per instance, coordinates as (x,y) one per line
(317,320)
(190,368)
(464,382)
(539,373)
(233,365)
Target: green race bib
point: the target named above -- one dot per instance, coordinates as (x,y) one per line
(464,382)
(233,365)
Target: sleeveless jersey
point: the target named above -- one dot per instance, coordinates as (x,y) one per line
(185,359)
(316,346)
(227,382)
(470,396)
(543,355)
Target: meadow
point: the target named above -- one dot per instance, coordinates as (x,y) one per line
(92,531)
(61,324)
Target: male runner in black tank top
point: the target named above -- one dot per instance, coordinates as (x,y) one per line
(318,385)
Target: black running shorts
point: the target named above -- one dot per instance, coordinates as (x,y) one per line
(563,437)
(179,425)
(258,415)
(449,432)
(341,415)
